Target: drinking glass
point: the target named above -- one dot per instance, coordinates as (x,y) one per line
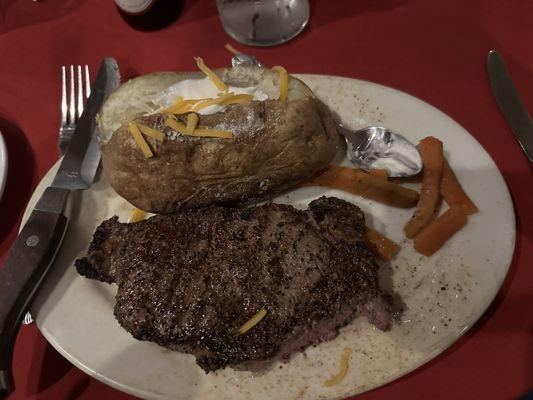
(263,22)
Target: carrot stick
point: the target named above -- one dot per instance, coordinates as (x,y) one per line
(452,191)
(381,246)
(439,231)
(432,157)
(361,183)
(379,173)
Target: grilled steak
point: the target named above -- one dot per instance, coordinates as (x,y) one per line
(188,281)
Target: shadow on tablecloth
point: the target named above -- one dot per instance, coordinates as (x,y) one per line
(48,367)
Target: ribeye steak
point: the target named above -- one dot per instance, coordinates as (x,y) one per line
(189,280)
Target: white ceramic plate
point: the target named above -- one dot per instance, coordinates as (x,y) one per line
(3,165)
(444,294)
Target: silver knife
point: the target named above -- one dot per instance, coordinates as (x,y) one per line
(39,240)
(510,103)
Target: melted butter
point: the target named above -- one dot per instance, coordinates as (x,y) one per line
(202,89)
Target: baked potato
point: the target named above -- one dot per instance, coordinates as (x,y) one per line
(275,144)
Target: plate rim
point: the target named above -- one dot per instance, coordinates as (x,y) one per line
(432,356)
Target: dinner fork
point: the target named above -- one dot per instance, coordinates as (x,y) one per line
(75,99)
(72,102)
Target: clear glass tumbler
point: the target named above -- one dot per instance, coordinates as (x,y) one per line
(263,22)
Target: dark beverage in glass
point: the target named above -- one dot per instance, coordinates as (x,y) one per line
(149,15)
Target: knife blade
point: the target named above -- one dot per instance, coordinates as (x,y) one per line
(79,164)
(39,240)
(510,103)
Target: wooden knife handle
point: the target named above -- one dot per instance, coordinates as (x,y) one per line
(27,263)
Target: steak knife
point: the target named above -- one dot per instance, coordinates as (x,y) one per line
(39,240)
(510,103)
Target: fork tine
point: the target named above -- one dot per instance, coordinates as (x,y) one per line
(87,82)
(63,95)
(80,92)
(72,106)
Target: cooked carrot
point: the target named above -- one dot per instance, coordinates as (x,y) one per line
(439,231)
(380,173)
(361,183)
(431,151)
(381,246)
(452,191)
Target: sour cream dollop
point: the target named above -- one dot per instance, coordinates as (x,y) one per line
(202,89)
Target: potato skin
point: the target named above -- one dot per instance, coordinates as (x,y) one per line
(287,144)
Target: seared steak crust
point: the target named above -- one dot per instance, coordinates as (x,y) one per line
(189,280)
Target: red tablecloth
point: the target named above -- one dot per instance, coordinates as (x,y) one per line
(435,50)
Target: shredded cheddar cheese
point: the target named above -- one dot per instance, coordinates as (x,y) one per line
(137,215)
(176,125)
(185,108)
(192,120)
(180,127)
(178,100)
(211,75)
(231,49)
(138,137)
(238,98)
(339,376)
(283,82)
(210,102)
(180,106)
(213,133)
(151,132)
(169,116)
(252,322)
